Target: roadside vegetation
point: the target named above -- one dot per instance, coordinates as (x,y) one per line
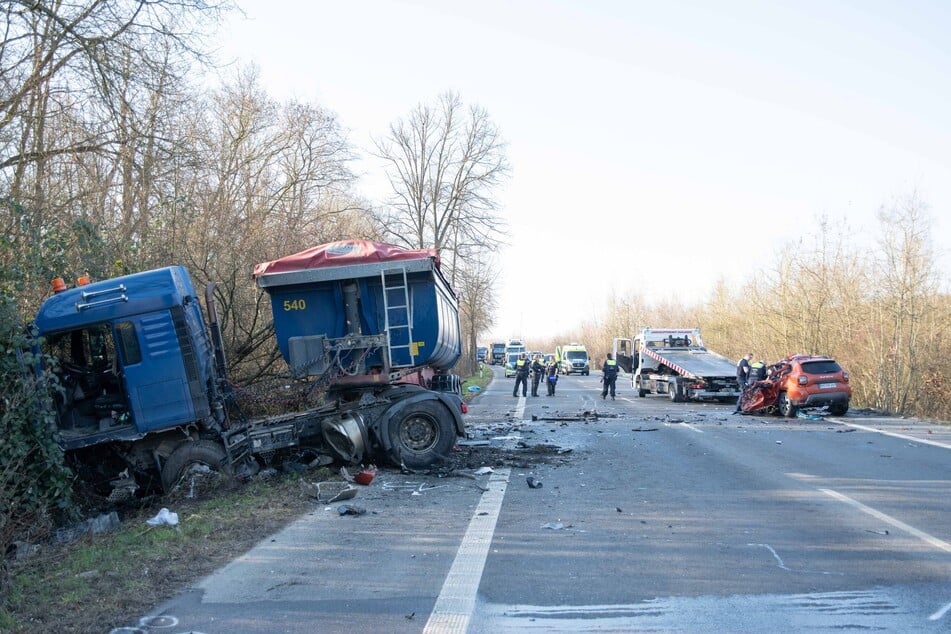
(481,378)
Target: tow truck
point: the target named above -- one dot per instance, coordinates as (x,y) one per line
(674,361)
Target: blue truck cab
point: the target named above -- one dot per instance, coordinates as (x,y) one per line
(133,357)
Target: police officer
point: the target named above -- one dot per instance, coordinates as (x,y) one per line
(742,376)
(538,370)
(608,377)
(552,376)
(521,375)
(757,372)
(743,371)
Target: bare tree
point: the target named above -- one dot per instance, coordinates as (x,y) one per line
(444,165)
(272,179)
(474,284)
(905,320)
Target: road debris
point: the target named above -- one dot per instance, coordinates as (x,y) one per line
(365,477)
(165,517)
(330,492)
(533,483)
(350,509)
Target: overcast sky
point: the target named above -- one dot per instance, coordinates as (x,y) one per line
(657,146)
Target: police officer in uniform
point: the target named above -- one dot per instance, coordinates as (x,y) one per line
(743,371)
(538,370)
(552,376)
(521,375)
(757,372)
(608,377)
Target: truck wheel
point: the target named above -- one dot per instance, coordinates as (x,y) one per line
(675,392)
(191,454)
(786,408)
(423,436)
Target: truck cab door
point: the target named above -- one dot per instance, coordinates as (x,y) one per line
(154,371)
(623,353)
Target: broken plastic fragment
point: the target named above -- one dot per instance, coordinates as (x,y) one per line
(163,517)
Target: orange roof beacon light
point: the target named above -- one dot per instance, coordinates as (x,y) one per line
(59,285)
(82,280)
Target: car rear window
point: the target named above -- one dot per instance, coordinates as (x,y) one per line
(821,367)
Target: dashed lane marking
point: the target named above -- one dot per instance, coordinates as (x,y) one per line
(923,536)
(892,434)
(456,601)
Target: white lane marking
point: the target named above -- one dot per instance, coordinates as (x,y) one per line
(893,434)
(456,601)
(779,560)
(687,425)
(937,616)
(923,536)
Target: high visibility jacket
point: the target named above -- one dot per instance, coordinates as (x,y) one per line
(521,367)
(757,371)
(610,368)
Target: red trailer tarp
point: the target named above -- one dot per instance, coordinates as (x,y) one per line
(343,253)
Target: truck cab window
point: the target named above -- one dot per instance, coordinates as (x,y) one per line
(128,343)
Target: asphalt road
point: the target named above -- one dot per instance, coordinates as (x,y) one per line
(651,516)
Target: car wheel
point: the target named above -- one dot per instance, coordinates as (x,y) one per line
(839,409)
(786,408)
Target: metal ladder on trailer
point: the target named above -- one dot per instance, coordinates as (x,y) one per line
(398,316)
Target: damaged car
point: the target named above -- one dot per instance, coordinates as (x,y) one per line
(800,381)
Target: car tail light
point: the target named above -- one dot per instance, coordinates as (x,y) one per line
(803,379)
(845,376)
(465,408)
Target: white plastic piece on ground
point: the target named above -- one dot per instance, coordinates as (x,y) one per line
(163,517)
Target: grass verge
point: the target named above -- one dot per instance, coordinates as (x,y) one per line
(480,380)
(109,580)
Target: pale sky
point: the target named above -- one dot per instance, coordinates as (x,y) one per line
(655,146)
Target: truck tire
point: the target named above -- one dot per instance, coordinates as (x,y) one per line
(786,408)
(422,436)
(641,392)
(675,391)
(189,454)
